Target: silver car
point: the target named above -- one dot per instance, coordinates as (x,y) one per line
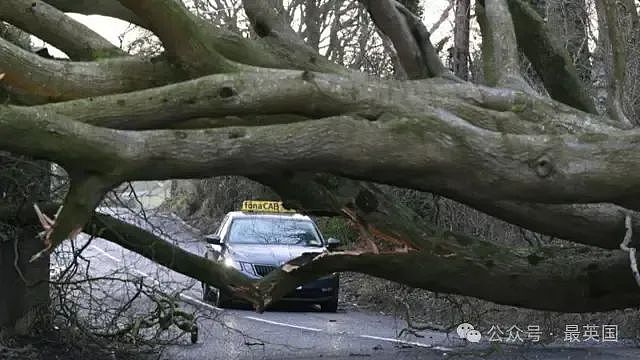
(257,243)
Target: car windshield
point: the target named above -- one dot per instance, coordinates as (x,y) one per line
(263,230)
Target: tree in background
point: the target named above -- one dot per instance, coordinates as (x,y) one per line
(460,55)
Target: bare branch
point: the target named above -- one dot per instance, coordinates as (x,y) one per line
(53,26)
(443,17)
(626,246)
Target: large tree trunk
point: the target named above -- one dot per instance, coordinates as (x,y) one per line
(25,290)
(22,305)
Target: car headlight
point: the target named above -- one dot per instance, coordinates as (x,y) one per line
(238,265)
(232,263)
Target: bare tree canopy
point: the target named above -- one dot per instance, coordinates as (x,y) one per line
(270,107)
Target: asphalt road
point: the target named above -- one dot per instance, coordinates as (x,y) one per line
(302,332)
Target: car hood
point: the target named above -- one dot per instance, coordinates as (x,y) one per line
(269,254)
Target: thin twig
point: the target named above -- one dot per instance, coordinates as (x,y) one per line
(633,261)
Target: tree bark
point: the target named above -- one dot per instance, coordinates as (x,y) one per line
(53,26)
(24,299)
(460,55)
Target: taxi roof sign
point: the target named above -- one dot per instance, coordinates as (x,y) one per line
(264,206)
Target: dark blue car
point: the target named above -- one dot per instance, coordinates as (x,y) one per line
(263,237)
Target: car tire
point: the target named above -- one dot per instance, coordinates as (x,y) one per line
(222,299)
(331,305)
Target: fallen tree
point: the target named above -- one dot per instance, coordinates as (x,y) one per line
(274,110)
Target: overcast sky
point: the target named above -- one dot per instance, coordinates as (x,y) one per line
(112,28)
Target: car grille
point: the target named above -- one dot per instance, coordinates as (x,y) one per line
(263,270)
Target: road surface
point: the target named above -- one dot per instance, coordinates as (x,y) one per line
(302,332)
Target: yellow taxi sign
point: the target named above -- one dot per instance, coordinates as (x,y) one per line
(264,206)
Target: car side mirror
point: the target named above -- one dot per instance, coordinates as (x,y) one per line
(332,243)
(213,239)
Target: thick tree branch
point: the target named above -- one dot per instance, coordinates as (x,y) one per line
(70,143)
(170,255)
(499,46)
(148,245)
(53,26)
(570,280)
(269,21)
(410,38)
(562,168)
(327,195)
(422,37)
(553,169)
(597,225)
(202,49)
(544,168)
(231,45)
(549,57)
(276,92)
(616,80)
(34,79)
(316,95)
(201,100)
(110,8)
(361,202)
(85,193)
(188,39)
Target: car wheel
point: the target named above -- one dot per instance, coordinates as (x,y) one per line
(331,305)
(223,300)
